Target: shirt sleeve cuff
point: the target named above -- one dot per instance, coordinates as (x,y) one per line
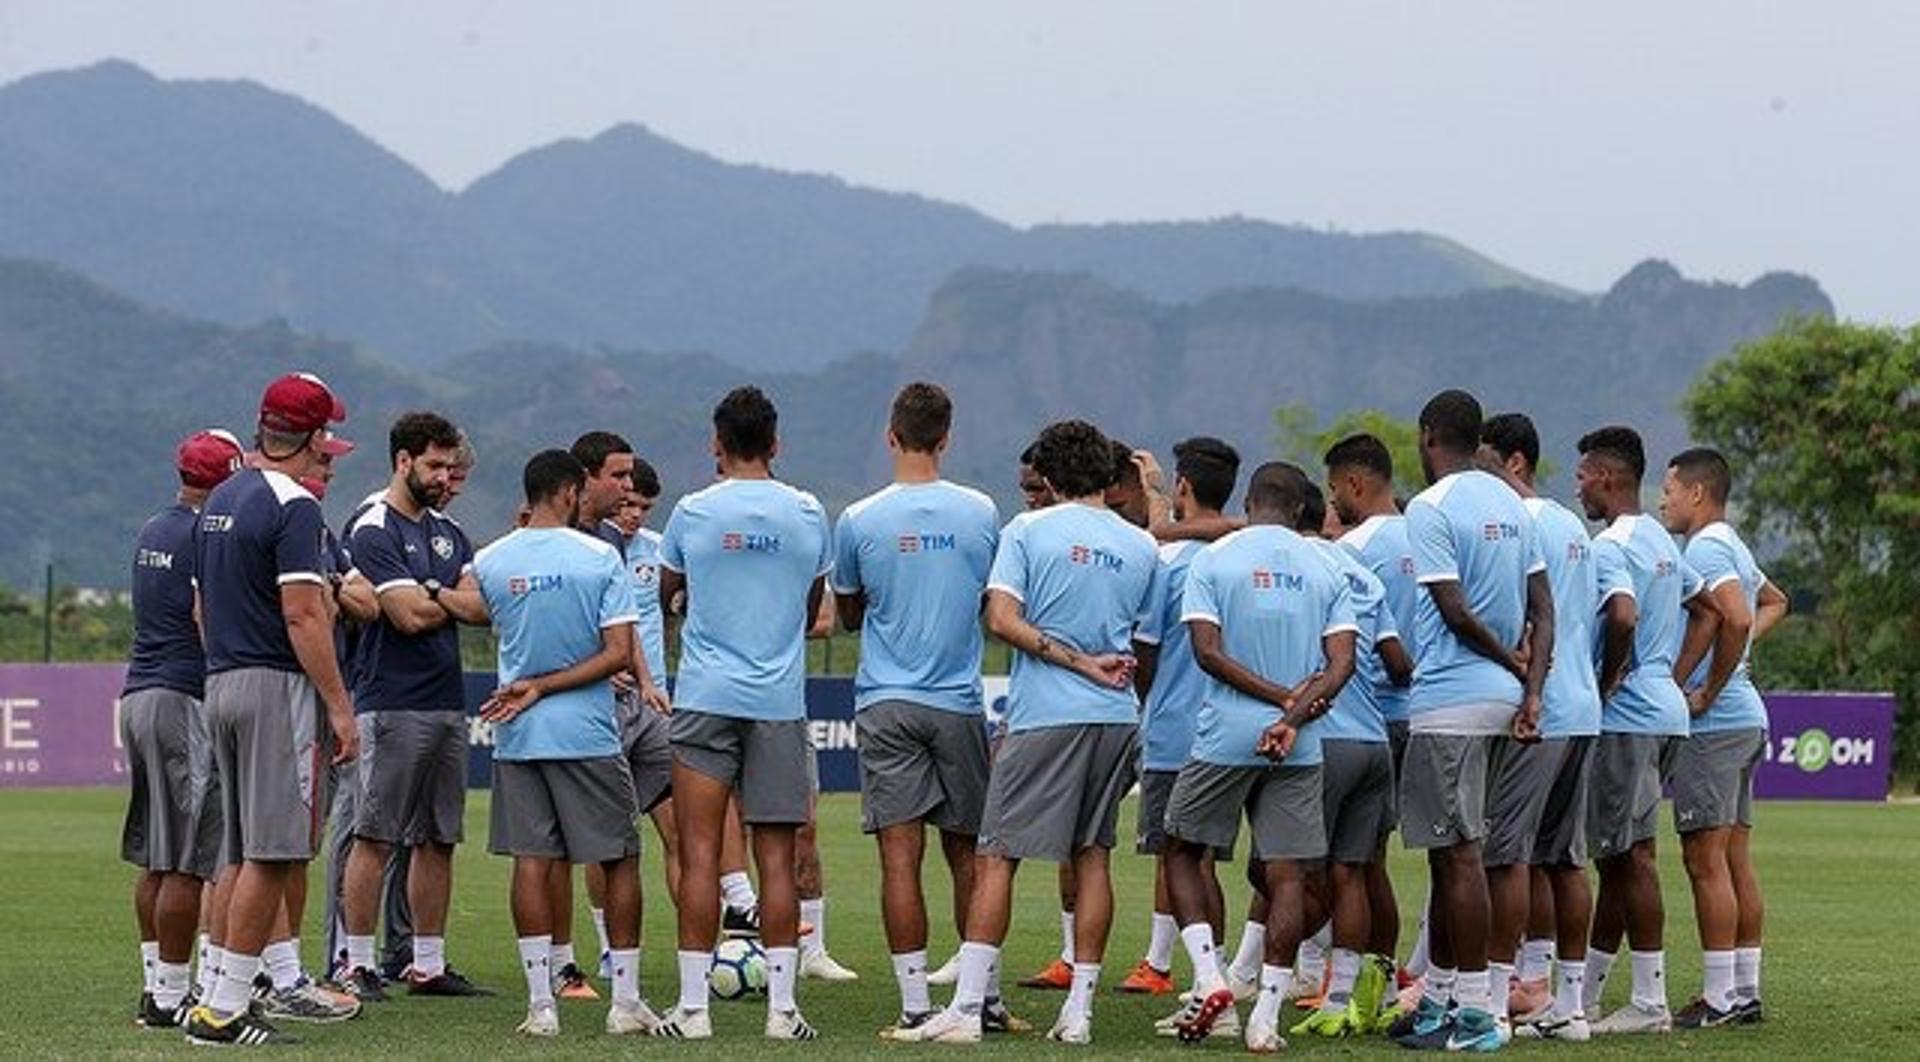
(1009,591)
(1146,638)
(622,620)
(301,577)
(1341,628)
(395,584)
(1730,577)
(1429,578)
(1189,617)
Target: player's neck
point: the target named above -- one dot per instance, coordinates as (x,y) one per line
(1706,519)
(910,466)
(1446,464)
(1096,500)
(1380,504)
(735,468)
(1623,507)
(400,500)
(547,518)
(193,497)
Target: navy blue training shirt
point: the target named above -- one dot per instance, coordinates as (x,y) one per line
(407,672)
(258,531)
(166,643)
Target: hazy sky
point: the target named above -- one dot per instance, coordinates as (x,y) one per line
(1569,140)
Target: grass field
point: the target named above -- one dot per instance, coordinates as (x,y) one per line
(1840,964)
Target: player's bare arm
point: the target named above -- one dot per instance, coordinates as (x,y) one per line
(1006,620)
(1466,626)
(616,653)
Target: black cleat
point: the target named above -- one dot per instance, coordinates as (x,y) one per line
(244,1029)
(1748,1012)
(364,985)
(449,982)
(1701,1014)
(996,1018)
(154,1016)
(262,986)
(741,922)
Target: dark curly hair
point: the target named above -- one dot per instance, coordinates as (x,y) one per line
(1075,457)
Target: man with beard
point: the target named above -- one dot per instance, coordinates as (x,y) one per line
(411,780)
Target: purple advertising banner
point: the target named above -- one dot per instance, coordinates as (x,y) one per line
(59,726)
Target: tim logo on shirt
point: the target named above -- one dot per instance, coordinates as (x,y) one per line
(926,543)
(749,542)
(1494,531)
(1095,557)
(1268,579)
(1578,552)
(522,585)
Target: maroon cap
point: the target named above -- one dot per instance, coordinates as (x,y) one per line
(300,402)
(206,458)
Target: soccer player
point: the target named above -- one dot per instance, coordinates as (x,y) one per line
(1484,631)
(1643,710)
(277,708)
(562,605)
(1205,469)
(411,780)
(751,554)
(172,830)
(656,768)
(1069,586)
(1561,906)
(1272,624)
(1712,769)
(910,572)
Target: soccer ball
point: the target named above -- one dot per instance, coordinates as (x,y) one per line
(739,967)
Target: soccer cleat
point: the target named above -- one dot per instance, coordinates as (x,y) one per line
(1748,1012)
(262,986)
(789,1025)
(1056,975)
(1225,1026)
(1427,1016)
(543,1021)
(1475,1030)
(1072,1029)
(947,1026)
(1574,1030)
(740,922)
(306,1002)
(1146,980)
(1529,1001)
(819,966)
(683,1024)
(570,983)
(1199,1024)
(1369,992)
(1634,1018)
(624,1019)
(947,974)
(448,982)
(996,1018)
(1301,997)
(154,1016)
(907,1021)
(1263,1037)
(1328,1024)
(364,985)
(1429,1037)
(1701,1014)
(245,1029)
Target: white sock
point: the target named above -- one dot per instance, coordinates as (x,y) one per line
(359,952)
(1066,937)
(1346,970)
(1420,961)
(561,956)
(1570,1001)
(203,951)
(1274,982)
(626,974)
(1160,941)
(1599,965)
(1474,990)
(536,961)
(1247,958)
(1499,978)
(170,982)
(910,973)
(282,960)
(737,888)
(1536,960)
(1650,979)
(814,911)
(235,990)
(1746,974)
(1086,977)
(149,965)
(1311,963)
(429,956)
(693,979)
(993,976)
(210,962)
(1717,968)
(600,929)
(783,965)
(976,968)
(1441,985)
(1198,938)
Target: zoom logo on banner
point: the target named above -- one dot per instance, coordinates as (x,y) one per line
(1827,746)
(1815,750)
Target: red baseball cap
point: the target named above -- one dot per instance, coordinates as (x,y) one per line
(206,458)
(302,403)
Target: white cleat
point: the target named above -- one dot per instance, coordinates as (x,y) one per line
(1571,1030)
(1226,1026)
(817,964)
(625,1019)
(1263,1036)
(949,1026)
(789,1025)
(1072,1029)
(683,1024)
(947,974)
(1634,1018)
(543,1021)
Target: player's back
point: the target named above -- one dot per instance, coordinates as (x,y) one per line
(1571,697)
(258,531)
(1381,543)
(1179,686)
(1469,528)
(1355,715)
(166,642)
(1719,555)
(1649,700)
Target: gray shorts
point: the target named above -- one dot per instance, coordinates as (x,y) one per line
(1623,796)
(647,739)
(1356,798)
(765,760)
(1057,789)
(271,747)
(920,763)
(1523,776)
(577,810)
(1156,788)
(173,805)
(1443,790)
(1397,745)
(1562,840)
(411,779)
(1281,805)
(1712,778)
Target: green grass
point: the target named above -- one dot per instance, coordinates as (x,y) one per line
(1841,950)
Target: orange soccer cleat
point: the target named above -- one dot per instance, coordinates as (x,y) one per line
(1055,975)
(1146,980)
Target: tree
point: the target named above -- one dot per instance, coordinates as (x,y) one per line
(1303,442)
(1821,422)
